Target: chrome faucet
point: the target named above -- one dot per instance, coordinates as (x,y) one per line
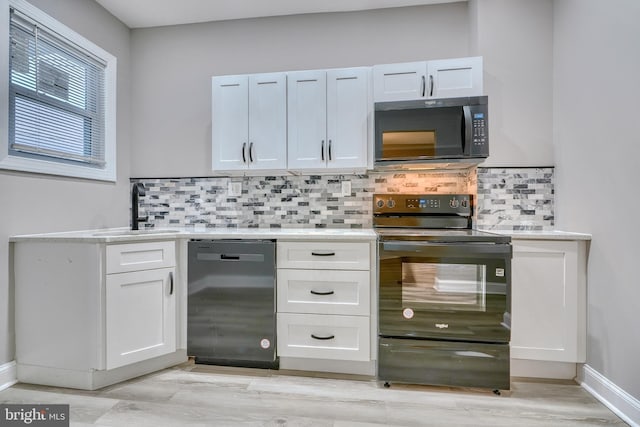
(137,192)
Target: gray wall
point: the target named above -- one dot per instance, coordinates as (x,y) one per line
(38,203)
(597,147)
(515,39)
(171,95)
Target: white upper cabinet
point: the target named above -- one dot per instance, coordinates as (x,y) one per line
(395,82)
(348,109)
(450,78)
(328,119)
(307,124)
(445,78)
(249,116)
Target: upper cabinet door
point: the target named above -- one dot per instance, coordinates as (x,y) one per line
(450,78)
(398,82)
(306,102)
(446,78)
(267,147)
(348,109)
(229,122)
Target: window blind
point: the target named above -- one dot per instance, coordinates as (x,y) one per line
(56,96)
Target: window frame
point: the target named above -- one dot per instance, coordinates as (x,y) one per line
(42,165)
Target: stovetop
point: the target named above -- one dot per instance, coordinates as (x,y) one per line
(440,235)
(428,217)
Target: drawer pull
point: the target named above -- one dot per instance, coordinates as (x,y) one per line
(328,337)
(323,253)
(322,293)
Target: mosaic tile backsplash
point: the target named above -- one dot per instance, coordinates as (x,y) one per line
(515,199)
(316,201)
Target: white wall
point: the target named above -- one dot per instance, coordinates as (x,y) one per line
(597,149)
(172,68)
(33,203)
(515,39)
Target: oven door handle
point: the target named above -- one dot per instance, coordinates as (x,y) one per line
(456,250)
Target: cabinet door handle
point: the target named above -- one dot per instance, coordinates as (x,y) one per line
(330,151)
(323,253)
(423,86)
(322,150)
(328,337)
(430,85)
(244,149)
(251,152)
(171,283)
(321,293)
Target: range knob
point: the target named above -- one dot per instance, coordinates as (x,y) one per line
(380,203)
(391,203)
(454,203)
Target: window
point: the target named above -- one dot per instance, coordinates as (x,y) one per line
(61,98)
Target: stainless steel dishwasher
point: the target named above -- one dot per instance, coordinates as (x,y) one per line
(231,302)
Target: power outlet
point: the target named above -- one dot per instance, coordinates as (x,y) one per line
(346,188)
(234,188)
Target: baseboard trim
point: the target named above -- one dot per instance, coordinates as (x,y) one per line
(8,375)
(613,397)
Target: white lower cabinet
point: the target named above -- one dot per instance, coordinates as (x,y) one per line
(140,316)
(325,297)
(324,291)
(324,337)
(92,314)
(548,334)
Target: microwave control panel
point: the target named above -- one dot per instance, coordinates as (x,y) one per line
(479,131)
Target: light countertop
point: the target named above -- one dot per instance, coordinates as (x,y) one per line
(114,235)
(123,235)
(543,235)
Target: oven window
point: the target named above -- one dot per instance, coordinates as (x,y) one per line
(408,144)
(428,286)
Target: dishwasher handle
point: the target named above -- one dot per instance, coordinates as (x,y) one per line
(224,257)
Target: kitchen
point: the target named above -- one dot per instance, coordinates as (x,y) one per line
(531,52)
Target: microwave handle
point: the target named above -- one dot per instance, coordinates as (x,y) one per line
(466,130)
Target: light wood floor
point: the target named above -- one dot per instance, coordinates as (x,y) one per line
(200,395)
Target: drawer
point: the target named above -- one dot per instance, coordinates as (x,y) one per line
(140,256)
(324,336)
(324,292)
(324,255)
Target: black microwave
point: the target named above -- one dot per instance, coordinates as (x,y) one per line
(431,131)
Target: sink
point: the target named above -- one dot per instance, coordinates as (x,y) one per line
(132,232)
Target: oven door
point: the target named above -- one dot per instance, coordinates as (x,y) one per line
(434,290)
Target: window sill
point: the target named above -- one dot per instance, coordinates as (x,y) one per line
(21,164)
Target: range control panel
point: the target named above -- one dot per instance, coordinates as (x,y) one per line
(422,204)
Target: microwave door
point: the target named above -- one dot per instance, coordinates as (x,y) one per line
(421,133)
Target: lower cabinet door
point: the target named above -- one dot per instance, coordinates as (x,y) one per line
(140,316)
(324,336)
